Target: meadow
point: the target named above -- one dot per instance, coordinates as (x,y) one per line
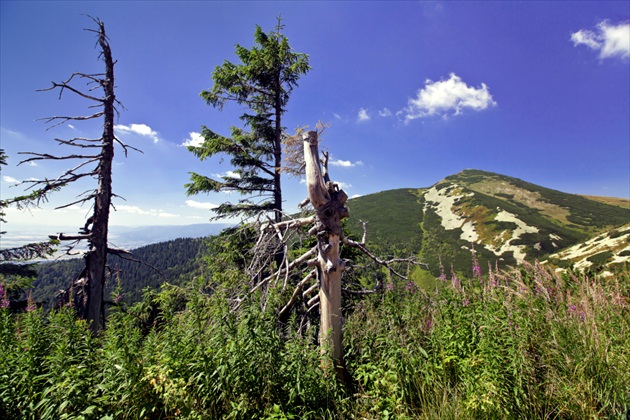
(521,343)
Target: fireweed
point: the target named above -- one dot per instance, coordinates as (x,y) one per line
(521,343)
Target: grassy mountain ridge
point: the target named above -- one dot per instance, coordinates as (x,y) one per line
(504,219)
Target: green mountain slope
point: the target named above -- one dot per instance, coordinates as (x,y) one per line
(503,219)
(393,216)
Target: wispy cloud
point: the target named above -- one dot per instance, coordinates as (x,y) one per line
(343,185)
(140,129)
(150,212)
(363,115)
(194,139)
(446,97)
(609,40)
(199,205)
(10,179)
(345,163)
(385,112)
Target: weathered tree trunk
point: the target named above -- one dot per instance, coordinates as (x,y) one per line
(329,203)
(97,260)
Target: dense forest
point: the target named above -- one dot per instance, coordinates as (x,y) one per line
(176,262)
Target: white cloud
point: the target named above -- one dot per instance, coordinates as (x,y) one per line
(609,40)
(150,212)
(385,112)
(363,115)
(447,96)
(71,126)
(10,179)
(336,116)
(199,205)
(344,185)
(230,174)
(131,209)
(140,129)
(345,163)
(194,139)
(357,196)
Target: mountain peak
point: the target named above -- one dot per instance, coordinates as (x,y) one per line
(501,218)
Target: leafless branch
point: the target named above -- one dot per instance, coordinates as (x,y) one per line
(62,119)
(65,85)
(310,276)
(46,156)
(385,263)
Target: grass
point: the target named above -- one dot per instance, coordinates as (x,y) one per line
(524,343)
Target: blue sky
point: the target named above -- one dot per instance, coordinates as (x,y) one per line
(413,92)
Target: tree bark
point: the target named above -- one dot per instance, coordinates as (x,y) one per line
(329,203)
(97,259)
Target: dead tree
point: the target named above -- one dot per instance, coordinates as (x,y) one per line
(319,268)
(93,151)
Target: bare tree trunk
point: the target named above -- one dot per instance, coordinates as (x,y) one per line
(97,259)
(329,203)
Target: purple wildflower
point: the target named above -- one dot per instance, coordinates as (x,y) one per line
(389,287)
(30,303)
(4,299)
(455,282)
(465,302)
(428,324)
(410,287)
(491,276)
(476,269)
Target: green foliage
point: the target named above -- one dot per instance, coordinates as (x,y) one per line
(583,212)
(526,343)
(400,217)
(393,216)
(262,82)
(178,261)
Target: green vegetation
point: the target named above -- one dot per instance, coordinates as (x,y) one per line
(393,216)
(261,82)
(586,213)
(518,344)
(176,262)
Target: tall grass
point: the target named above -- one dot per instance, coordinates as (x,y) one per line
(527,343)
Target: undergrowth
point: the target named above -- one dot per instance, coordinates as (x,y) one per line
(526,343)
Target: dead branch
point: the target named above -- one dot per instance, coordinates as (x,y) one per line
(65,85)
(43,156)
(64,237)
(310,276)
(63,119)
(385,263)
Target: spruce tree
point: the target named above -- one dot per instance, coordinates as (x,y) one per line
(262,82)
